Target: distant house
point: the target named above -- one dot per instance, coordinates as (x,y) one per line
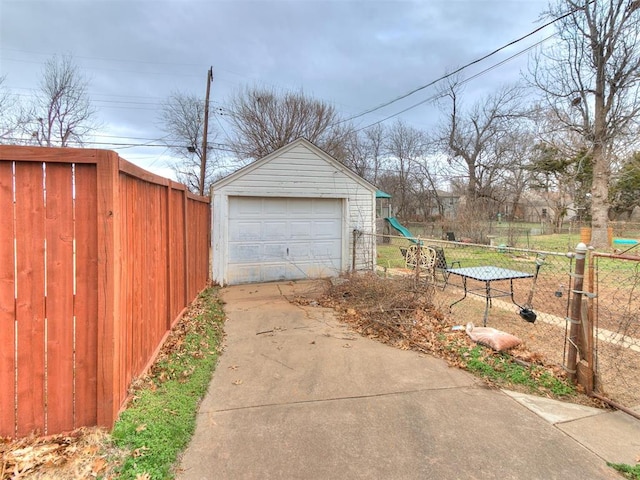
(449,202)
(543,207)
(292,215)
(439,204)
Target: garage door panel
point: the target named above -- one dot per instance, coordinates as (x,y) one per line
(245,231)
(301,206)
(299,252)
(242,207)
(326,209)
(325,228)
(301,230)
(244,274)
(274,230)
(283,238)
(324,249)
(274,252)
(272,272)
(274,206)
(249,253)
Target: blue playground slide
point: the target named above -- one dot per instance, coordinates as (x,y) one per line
(393,221)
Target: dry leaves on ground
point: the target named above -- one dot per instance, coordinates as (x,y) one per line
(88,452)
(82,453)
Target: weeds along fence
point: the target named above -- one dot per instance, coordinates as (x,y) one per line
(98,258)
(615,282)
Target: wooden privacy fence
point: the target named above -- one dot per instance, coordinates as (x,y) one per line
(98,259)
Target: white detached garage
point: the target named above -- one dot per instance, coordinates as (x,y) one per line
(291,215)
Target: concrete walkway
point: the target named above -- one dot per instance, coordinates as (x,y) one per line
(296,395)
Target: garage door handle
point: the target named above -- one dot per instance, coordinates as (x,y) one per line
(287,251)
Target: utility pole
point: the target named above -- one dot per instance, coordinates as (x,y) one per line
(205,133)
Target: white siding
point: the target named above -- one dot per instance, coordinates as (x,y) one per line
(299,170)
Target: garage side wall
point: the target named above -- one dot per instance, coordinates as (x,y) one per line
(299,172)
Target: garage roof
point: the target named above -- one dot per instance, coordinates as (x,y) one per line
(300,141)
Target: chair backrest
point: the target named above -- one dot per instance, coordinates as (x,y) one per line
(427,260)
(441,260)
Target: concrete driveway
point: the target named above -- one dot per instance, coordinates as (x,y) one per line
(296,395)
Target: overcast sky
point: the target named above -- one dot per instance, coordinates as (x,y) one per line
(354,54)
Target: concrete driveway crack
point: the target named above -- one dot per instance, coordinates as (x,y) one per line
(277,361)
(337,399)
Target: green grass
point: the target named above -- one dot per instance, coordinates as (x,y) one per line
(628,471)
(501,369)
(160,420)
(389,255)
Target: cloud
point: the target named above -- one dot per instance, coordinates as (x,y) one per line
(355,54)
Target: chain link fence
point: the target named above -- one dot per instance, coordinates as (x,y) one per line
(547,294)
(615,308)
(614,280)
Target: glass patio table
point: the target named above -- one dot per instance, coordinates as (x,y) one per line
(487,274)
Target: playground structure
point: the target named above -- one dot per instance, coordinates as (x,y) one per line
(385,220)
(404,231)
(621,243)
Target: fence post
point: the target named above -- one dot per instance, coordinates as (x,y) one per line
(418,258)
(108,322)
(576,309)
(353,258)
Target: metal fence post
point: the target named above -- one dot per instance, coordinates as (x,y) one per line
(355,233)
(576,311)
(418,260)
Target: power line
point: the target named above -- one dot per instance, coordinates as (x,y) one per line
(437,95)
(218,146)
(464,67)
(105,58)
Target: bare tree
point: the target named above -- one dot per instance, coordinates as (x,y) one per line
(374,139)
(62,112)
(8,120)
(589,79)
(363,152)
(565,170)
(512,150)
(427,185)
(553,176)
(356,155)
(405,147)
(182,119)
(264,121)
(474,140)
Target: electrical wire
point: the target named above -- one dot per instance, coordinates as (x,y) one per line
(462,82)
(464,67)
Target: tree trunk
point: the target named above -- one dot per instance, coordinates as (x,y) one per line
(601,167)
(599,198)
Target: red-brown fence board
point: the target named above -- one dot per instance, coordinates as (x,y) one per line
(178,249)
(30,262)
(109,320)
(101,271)
(7,303)
(86,298)
(59,297)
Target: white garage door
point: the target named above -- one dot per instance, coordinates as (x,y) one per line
(283,238)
